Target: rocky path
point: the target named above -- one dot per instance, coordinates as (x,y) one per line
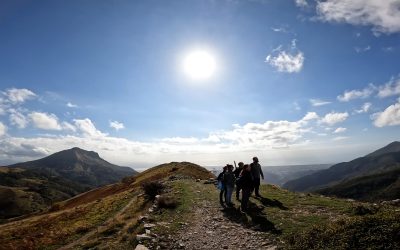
(214,228)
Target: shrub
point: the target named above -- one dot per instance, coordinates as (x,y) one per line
(151,189)
(167,202)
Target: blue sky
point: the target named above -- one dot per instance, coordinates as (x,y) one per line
(296,82)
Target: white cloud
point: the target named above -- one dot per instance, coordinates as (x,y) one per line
(301,3)
(3,129)
(382,15)
(116,125)
(389,117)
(68,126)
(362,49)
(365,108)
(310,116)
(340,138)
(318,102)
(289,62)
(87,128)
(17,119)
(333,118)
(279,29)
(45,121)
(285,62)
(340,130)
(19,95)
(71,105)
(390,88)
(356,94)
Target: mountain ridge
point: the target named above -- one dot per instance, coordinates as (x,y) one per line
(382,160)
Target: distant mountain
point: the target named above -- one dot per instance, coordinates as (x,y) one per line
(81,166)
(279,175)
(381,186)
(35,185)
(383,160)
(390,148)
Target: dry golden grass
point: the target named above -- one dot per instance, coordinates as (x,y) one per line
(73,218)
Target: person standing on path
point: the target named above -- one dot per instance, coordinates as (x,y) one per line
(237,174)
(229,181)
(221,185)
(246,182)
(256,171)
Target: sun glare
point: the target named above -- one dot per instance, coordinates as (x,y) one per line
(199,65)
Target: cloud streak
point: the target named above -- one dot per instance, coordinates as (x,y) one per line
(383,16)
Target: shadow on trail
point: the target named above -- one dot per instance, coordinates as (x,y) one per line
(271,203)
(253,217)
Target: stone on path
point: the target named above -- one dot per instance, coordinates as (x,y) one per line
(141,247)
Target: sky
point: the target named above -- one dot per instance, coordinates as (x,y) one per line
(292,82)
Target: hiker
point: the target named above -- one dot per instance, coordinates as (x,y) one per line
(237,172)
(256,171)
(221,185)
(246,183)
(229,181)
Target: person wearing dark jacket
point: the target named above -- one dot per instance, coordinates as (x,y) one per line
(256,171)
(237,174)
(229,181)
(246,182)
(221,185)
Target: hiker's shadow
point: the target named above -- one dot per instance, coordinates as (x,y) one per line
(257,219)
(271,203)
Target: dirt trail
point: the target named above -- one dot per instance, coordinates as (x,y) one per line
(214,228)
(100,228)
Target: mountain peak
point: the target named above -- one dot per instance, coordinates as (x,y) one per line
(85,152)
(390,148)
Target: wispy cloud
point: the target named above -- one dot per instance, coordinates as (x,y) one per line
(15,95)
(391,88)
(70,105)
(286,61)
(349,95)
(301,3)
(334,118)
(362,49)
(45,121)
(365,108)
(319,102)
(17,118)
(340,138)
(383,16)
(116,125)
(340,130)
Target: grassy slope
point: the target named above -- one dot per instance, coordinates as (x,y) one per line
(280,215)
(84,213)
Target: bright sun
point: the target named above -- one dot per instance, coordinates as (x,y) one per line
(199,64)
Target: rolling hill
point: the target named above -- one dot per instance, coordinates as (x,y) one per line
(361,175)
(33,186)
(187,215)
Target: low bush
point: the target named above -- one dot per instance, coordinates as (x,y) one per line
(151,189)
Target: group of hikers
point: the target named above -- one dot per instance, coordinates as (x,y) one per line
(246,177)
